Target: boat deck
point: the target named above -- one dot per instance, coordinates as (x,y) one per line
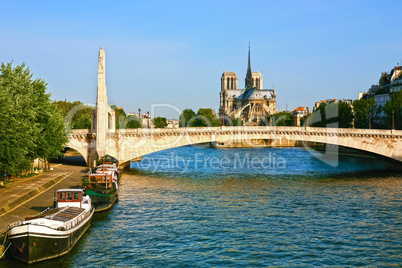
(66,214)
(59,214)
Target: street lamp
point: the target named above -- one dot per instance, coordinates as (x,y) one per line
(148,118)
(353,119)
(393,122)
(369,120)
(139,118)
(222,118)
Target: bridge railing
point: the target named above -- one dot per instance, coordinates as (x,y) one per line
(244,129)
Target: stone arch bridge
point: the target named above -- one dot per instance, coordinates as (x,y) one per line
(126,144)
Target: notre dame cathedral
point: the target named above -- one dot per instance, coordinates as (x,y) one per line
(252,104)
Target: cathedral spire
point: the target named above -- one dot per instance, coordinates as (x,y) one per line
(249,81)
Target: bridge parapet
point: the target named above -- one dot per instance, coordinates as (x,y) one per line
(126,144)
(260,129)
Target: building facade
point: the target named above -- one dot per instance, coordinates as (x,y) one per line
(298,113)
(389,83)
(252,104)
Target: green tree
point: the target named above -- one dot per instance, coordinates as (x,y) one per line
(31,124)
(237,122)
(332,115)
(362,108)
(132,122)
(160,122)
(52,137)
(75,114)
(84,122)
(304,120)
(384,79)
(205,118)
(185,118)
(121,118)
(19,131)
(394,105)
(345,115)
(279,119)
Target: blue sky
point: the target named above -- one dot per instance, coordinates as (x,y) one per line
(174,52)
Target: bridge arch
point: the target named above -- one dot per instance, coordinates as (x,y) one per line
(386,143)
(127,144)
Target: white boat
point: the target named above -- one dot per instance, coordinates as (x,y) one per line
(110,168)
(53,232)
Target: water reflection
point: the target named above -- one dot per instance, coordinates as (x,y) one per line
(308,213)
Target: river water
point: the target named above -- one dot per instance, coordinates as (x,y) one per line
(202,207)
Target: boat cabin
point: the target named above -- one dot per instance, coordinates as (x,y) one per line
(101,179)
(69,195)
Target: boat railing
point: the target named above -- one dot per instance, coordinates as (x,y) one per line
(11,225)
(66,226)
(76,221)
(42,212)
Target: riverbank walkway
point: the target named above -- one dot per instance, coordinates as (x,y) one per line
(30,195)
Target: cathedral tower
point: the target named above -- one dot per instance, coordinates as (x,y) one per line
(249,80)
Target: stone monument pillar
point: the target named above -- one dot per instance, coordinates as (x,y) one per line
(104,115)
(101,104)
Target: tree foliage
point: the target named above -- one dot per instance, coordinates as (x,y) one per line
(384,79)
(121,118)
(205,118)
(32,126)
(76,114)
(132,121)
(393,107)
(185,118)
(237,122)
(160,122)
(278,119)
(362,110)
(331,115)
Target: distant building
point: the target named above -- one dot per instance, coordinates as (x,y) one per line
(381,99)
(389,83)
(252,104)
(173,123)
(329,101)
(373,90)
(318,103)
(146,121)
(298,113)
(363,95)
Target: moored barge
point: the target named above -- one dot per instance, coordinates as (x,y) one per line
(53,232)
(102,189)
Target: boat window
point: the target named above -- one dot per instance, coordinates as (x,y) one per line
(69,196)
(77,196)
(62,196)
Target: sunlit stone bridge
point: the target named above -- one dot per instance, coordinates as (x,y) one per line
(127,144)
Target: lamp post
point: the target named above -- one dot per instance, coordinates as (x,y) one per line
(139,118)
(148,118)
(393,122)
(353,119)
(369,120)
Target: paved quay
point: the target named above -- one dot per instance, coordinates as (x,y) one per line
(29,196)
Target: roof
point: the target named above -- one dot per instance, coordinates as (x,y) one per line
(255,94)
(300,109)
(229,74)
(234,93)
(69,190)
(98,174)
